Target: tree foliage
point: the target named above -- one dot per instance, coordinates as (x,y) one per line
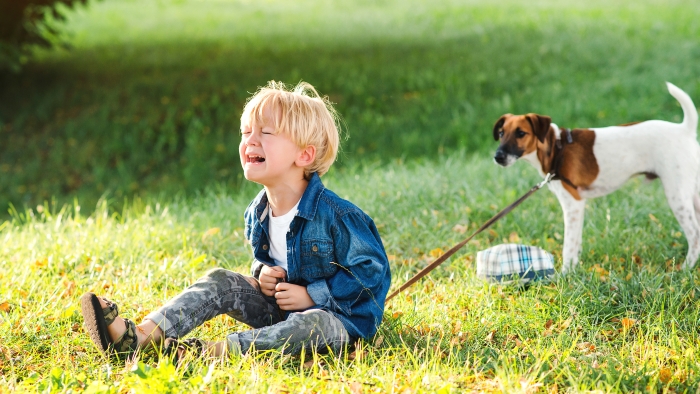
(29,23)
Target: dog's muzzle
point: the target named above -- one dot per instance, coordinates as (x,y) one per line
(501,157)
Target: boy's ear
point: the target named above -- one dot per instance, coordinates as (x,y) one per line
(306,156)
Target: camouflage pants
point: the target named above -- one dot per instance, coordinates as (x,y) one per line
(223,291)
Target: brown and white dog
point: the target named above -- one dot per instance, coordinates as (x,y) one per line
(590,163)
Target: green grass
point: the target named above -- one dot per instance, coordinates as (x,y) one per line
(146,104)
(149,97)
(451,332)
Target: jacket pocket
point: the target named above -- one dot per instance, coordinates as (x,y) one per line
(317,259)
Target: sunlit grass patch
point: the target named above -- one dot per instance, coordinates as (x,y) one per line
(625,320)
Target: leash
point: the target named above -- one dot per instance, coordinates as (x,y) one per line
(483,227)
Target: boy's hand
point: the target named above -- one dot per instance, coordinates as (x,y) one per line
(269,277)
(293,297)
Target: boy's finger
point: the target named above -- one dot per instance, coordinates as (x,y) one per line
(278,272)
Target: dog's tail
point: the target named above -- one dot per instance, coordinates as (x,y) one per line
(690,113)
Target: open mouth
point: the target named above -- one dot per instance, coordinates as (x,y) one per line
(255,159)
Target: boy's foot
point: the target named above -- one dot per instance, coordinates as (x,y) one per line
(111,334)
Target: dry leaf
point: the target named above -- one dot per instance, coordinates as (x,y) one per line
(212,231)
(585,347)
(356,388)
(5,306)
(437,252)
(309,364)
(628,323)
(665,375)
(40,263)
(458,228)
(565,324)
(548,324)
(378,342)
(513,237)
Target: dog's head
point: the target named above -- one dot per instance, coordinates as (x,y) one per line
(519,135)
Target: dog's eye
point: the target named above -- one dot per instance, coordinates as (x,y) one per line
(500,134)
(520,134)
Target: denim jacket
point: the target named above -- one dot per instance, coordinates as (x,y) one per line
(334,249)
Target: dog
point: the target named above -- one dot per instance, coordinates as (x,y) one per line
(589,163)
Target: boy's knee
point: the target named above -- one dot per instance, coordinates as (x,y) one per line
(220,275)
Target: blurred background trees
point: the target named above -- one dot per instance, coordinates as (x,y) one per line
(29,23)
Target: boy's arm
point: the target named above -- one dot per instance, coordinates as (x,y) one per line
(363,273)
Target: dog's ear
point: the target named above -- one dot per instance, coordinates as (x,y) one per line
(540,125)
(499,126)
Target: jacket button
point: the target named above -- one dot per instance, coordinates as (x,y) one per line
(264,247)
(315,248)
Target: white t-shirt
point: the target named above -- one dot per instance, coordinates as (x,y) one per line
(278,228)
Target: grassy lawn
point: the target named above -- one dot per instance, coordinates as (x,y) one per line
(626,320)
(120,156)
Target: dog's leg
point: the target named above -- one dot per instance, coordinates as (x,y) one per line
(573,225)
(685,206)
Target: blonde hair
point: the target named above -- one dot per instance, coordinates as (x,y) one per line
(302,115)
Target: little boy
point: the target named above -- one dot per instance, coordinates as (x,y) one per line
(320,272)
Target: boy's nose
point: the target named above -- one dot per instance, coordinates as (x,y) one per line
(251,140)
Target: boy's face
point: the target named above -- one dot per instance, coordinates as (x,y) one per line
(268,157)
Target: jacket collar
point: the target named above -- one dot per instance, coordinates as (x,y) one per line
(307,205)
(309,201)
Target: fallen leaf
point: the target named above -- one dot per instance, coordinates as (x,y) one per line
(565,324)
(437,252)
(665,375)
(212,231)
(40,263)
(628,323)
(585,347)
(458,228)
(5,306)
(356,388)
(513,237)
(378,342)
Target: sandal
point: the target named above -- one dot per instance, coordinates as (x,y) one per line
(96,319)
(193,347)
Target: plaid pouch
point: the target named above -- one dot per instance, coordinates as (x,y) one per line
(513,262)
